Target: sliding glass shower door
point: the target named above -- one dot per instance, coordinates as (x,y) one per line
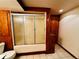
(40,29)
(18,23)
(29,29)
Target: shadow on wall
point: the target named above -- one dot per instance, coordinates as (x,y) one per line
(60,41)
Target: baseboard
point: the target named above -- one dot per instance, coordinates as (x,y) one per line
(31,53)
(67,51)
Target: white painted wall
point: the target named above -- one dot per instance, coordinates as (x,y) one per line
(69,31)
(11,5)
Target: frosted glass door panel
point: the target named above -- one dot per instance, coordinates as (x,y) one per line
(18,29)
(29,29)
(40,29)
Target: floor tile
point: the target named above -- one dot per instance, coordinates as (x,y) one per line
(59,54)
(30,57)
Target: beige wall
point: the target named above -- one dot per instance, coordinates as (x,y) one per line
(69,31)
(11,5)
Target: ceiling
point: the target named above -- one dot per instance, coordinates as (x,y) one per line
(10,5)
(55,5)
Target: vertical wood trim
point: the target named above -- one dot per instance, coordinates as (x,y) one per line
(54,22)
(6,37)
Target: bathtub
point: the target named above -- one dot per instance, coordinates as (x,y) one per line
(29,48)
(2,47)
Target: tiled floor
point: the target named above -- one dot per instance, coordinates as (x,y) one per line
(59,54)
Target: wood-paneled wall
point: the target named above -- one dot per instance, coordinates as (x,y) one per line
(5,29)
(54,26)
(52,32)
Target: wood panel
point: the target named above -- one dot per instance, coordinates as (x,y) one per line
(3,24)
(5,29)
(54,26)
(52,33)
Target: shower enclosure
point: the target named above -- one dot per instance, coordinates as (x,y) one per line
(29,32)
